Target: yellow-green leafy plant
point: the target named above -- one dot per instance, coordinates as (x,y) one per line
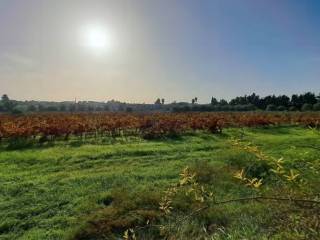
(276,165)
(129,235)
(205,199)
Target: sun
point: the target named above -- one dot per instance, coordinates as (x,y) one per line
(97,37)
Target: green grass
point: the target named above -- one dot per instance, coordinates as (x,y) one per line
(49,192)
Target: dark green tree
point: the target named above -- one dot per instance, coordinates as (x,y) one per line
(271,107)
(223,102)
(62,107)
(309,98)
(306,107)
(316,107)
(32,108)
(214,101)
(106,108)
(8,105)
(158,101)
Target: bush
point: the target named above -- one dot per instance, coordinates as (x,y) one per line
(19,109)
(253,167)
(129,109)
(52,109)
(293,108)
(281,108)
(246,107)
(2,108)
(124,209)
(306,107)
(205,172)
(258,169)
(316,107)
(32,108)
(271,107)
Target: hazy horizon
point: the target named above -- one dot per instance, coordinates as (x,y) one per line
(137,51)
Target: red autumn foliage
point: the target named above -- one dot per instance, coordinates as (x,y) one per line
(146,125)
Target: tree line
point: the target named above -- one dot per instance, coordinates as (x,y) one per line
(297,102)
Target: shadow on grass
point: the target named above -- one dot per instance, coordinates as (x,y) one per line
(273,130)
(35,143)
(25,144)
(174,139)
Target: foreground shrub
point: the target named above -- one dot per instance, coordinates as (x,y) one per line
(125,210)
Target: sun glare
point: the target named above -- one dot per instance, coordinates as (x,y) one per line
(97,37)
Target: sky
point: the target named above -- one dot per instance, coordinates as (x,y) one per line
(172,49)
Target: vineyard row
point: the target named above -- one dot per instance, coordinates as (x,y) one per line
(52,126)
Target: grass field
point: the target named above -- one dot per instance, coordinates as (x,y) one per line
(53,191)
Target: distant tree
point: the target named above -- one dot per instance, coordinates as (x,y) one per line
(292,108)
(263,103)
(91,108)
(296,101)
(309,98)
(32,108)
(316,107)
(62,107)
(193,101)
(238,101)
(17,110)
(41,108)
(181,109)
(72,107)
(214,101)
(5,98)
(106,108)
(306,107)
(129,109)
(281,108)
(52,109)
(158,101)
(271,107)
(7,103)
(186,109)
(224,107)
(246,107)
(196,99)
(162,101)
(81,106)
(121,108)
(99,109)
(283,100)
(250,107)
(299,100)
(223,102)
(253,99)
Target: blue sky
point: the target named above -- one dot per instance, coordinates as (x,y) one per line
(175,49)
